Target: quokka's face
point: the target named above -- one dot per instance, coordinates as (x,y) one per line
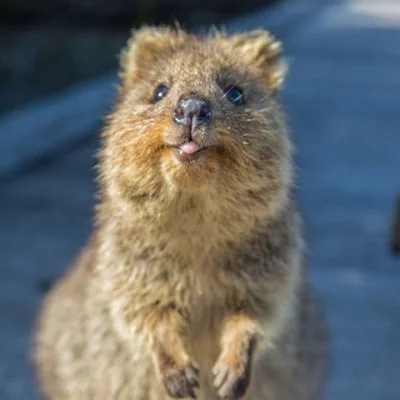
(196,113)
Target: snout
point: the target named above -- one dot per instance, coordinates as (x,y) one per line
(191,113)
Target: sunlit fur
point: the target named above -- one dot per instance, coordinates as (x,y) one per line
(189,262)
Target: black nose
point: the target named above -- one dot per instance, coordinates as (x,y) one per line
(192,112)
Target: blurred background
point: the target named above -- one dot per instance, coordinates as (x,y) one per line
(58,62)
(47,45)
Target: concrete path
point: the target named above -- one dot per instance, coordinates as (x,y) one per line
(343,99)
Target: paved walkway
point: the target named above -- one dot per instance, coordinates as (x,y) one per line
(343,97)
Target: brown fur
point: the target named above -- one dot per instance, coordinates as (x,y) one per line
(193,283)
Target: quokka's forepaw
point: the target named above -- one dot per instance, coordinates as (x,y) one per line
(230,383)
(181,381)
(232,373)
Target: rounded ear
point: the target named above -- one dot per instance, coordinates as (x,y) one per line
(144,46)
(261,50)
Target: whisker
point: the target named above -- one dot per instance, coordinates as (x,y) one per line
(230,87)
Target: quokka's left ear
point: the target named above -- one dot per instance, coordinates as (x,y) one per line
(261,50)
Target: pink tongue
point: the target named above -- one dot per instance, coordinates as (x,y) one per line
(189,148)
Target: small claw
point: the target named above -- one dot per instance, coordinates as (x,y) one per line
(221,372)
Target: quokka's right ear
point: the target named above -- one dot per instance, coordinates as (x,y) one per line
(144,47)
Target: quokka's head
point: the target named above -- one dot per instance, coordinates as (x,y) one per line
(198,113)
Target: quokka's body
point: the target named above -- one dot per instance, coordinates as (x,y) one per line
(193,282)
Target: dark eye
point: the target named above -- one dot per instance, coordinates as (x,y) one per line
(235,95)
(160,92)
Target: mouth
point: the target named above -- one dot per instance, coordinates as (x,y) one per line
(189,152)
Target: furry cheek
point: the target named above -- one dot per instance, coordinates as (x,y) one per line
(149,143)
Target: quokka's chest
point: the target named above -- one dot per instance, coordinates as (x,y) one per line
(199,286)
